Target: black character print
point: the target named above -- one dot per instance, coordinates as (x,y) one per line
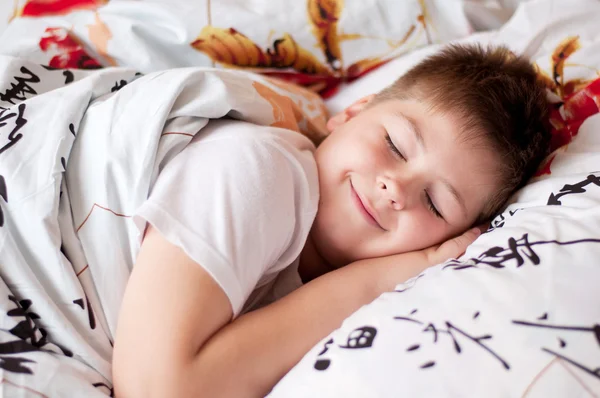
(362,337)
(3,192)
(572,331)
(118,85)
(10,124)
(455,335)
(23,330)
(359,338)
(14,364)
(517,252)
(323,363)
(91,317)
(498,221)
(27,329)
(18,91)
(570,189)
(3,195)
(111,392)
(69,77)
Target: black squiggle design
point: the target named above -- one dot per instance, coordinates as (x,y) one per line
(69,76)
(82,304)
(27,330)
(14,136)
(499,220)
(20,90)
(3,195)
(520,251)
(359,338)
(118,85)
(104,385)
(362,337)
(570,189)
(593,329)
(454,332)
(323,363)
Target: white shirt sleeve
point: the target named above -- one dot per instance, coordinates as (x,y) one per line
(238,201)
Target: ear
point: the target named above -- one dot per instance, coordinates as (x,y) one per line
(349,112)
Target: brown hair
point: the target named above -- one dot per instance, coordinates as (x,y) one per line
(499,100)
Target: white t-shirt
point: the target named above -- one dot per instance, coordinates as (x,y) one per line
(240,200)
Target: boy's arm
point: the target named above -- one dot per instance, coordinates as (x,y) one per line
(174,337)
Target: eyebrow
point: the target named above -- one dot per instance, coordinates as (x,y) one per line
(457,196)
(412,124)
(414,128)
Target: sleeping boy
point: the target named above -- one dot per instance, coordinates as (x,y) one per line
(303,237)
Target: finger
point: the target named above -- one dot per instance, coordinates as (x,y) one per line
(483,227)
(455,247)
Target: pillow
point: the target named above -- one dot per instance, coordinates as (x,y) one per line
(385,75)
(489,14)
(316,43)
(518,314)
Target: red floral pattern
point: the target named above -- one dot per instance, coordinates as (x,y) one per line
(38,8)
(568,116)
(71,53)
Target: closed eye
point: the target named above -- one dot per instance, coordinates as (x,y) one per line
(393,147)
(432,207)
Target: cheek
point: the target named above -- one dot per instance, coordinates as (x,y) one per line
(350,152)
(419,230)
(368,155)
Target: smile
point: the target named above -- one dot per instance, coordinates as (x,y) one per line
(366,212)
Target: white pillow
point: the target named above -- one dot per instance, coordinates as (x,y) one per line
(519,314)
(386,74)
(489,14)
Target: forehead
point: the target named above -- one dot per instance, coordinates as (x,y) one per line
(451,153)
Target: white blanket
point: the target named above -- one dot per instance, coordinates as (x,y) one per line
(79,151)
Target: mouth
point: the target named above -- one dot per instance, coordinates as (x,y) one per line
(364,208)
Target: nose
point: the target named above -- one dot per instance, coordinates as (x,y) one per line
(393,193)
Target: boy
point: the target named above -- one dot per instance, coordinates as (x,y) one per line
(437,152)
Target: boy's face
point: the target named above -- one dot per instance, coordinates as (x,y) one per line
(377,201)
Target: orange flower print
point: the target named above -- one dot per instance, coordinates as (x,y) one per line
(324,16)
(289,115)
(232,48)
(287,60)
(284,112)
(556,83)
(316,113)
(99,35)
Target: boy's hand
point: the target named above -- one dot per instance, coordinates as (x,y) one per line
(452,248)
(387,272)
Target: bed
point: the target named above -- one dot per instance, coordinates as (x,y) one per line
(518,315)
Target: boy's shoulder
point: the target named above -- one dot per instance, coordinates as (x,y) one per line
(264,155)
(248,135)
